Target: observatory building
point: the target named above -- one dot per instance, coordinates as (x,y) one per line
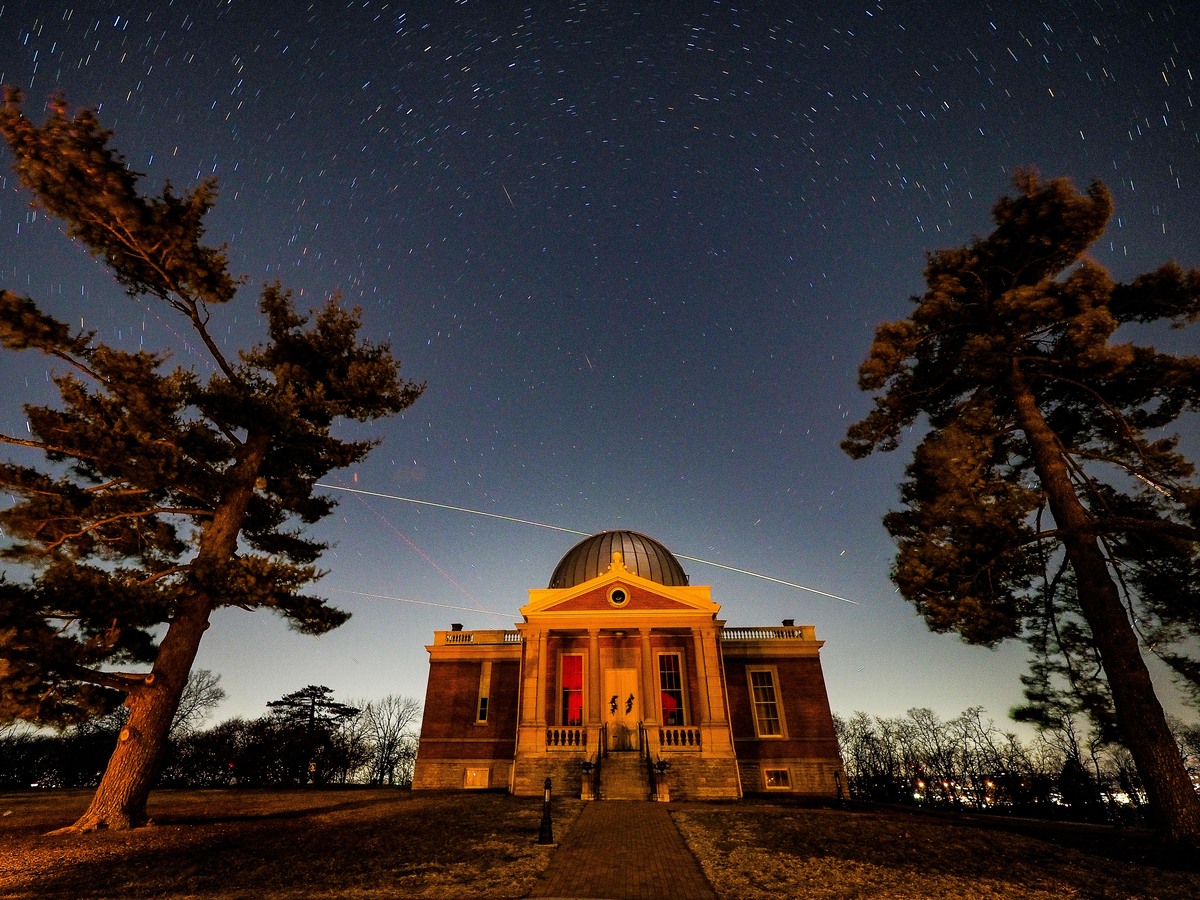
(621,680)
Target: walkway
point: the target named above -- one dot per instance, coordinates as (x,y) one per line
(623,850)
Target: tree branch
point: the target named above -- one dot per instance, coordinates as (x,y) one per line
(141,514)
(46,448)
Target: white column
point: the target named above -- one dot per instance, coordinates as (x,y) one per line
(649,681)
(702,706)
(594,699)
(543,675)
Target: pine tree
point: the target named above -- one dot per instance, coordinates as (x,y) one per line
(313,717)
(1047,500)
(162,493)
(312,708)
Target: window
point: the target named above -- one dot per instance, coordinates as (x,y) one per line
(765,701)
(572,689)
(777,779)
(670,681)
(485,682)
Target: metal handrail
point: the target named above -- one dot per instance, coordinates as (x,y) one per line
(601,752)
(644,749)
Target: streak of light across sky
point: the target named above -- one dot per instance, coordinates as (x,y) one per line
(637,251)
(476,512)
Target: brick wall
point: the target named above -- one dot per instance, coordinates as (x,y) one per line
(451,740)
(808,751)
(801,694)
(451,704)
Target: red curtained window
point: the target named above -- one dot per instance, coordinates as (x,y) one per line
(572,690)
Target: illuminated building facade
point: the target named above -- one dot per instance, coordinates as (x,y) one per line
(622,680)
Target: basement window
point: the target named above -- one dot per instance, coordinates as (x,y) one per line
(777,779)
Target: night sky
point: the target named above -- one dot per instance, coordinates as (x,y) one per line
(637,251)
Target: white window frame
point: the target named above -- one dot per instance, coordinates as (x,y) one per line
(751,671)
(583,691)
(683,692)
(485,692)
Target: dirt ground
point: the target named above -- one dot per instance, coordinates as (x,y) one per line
(376,843)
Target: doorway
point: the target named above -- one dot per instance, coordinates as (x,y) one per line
(622,709)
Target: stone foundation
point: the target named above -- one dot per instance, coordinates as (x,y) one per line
(807,777)
(564,771)
(461,774)
(695,778)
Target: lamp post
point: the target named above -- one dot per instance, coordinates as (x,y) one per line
(546,831)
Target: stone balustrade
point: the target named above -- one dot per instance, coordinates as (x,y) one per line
(672,738)
(566,738)
(476,637)
(771,633)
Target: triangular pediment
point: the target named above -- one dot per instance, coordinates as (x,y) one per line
(618,595)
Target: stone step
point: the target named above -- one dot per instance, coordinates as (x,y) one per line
(623,777)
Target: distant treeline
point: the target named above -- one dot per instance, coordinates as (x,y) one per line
(967,763)
(374,743)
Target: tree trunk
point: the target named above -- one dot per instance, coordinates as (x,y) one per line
(120,799)
(1140,717)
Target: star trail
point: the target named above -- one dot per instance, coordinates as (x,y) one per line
(637,251)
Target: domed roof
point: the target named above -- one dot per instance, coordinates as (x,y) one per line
(642,555)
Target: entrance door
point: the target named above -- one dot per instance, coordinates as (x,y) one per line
(622,708)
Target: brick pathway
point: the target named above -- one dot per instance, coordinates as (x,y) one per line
(623,850)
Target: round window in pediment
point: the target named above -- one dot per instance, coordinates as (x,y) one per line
(618,596)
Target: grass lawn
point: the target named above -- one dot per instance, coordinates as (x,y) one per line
(215,844)
(757,850)
(375,843)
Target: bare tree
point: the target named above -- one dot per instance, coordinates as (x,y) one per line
(935,746)
(977,752)
(874,750)
(201,696)
(919,758)
(1187,735)
(390,724)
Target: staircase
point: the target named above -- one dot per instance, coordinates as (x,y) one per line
(623,777)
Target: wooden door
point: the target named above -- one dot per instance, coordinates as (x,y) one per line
(622,708)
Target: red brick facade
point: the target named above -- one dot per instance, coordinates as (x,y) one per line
(626,673)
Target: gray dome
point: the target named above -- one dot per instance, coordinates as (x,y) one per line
(642,555)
